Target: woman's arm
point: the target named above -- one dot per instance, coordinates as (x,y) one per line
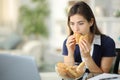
(70,44)
(89,62)
(106,64)
(69,60)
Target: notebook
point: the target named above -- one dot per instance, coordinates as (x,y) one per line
(106,76)
(13,67)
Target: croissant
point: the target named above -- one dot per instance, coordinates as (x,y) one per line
(67,71)
(80,67)
(79,37)
(61,69)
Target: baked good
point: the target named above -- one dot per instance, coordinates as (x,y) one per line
(61,69)
(67,71)
(80,66)
(77,37)
(86,37)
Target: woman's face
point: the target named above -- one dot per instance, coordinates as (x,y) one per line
(79,24)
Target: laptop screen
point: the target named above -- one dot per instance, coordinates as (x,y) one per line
(14,67)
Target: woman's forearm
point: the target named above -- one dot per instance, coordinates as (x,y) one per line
(92,65)
(69,60)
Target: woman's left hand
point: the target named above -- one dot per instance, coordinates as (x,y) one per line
(85,48)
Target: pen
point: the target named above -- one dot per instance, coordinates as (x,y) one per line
(108,78)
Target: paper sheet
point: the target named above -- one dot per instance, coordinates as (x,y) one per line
(106,76)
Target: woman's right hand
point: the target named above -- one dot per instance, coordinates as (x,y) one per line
(71,42)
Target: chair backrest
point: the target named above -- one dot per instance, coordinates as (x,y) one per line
(117,61)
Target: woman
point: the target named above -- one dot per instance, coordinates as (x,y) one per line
(98,52)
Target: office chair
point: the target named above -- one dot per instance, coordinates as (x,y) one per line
(117,61)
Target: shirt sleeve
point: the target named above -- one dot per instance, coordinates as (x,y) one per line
(64,49)
(108,48)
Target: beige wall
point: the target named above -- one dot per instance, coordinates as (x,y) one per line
(8,12)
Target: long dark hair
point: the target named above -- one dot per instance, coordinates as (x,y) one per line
(83,9)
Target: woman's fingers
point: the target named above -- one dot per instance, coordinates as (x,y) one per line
(86,45)
(70,39)
(84,48)
(71,43)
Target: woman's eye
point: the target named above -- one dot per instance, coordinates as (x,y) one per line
(71,23)
(81,23)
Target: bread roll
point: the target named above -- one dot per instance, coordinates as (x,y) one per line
(71,71)
(67,71)
(80,67)
(77,37)
(61,69)
(86,37)
(61,65)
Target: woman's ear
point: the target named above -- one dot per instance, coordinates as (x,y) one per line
(91,22)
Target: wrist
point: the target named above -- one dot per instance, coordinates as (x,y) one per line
(85,55)
(87,58)
(70,54)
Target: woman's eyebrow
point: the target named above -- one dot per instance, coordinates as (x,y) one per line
(77,21)
(80,21)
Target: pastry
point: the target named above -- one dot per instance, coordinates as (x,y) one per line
(67,71)
(80,66)
(77,37)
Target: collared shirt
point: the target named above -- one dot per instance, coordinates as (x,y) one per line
(103,46)
(97,41)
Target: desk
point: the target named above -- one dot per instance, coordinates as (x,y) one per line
(49,76)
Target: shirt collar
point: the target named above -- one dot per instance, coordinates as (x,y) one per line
(97,40)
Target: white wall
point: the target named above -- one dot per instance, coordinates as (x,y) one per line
(57,14)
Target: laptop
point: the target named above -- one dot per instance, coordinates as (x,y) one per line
(14,67)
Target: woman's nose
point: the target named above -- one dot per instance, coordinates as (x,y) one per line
(76,28)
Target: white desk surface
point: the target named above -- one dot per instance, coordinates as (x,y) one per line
(49,76)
